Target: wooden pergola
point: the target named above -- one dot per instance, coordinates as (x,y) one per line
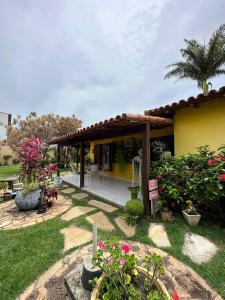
(119,126)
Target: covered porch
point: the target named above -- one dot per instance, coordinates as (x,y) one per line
(113,189)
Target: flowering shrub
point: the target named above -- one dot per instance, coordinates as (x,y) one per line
(197,177)
(122,278)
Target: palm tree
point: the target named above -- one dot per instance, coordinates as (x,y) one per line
(201,62)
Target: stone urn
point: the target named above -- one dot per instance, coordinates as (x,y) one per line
(160,285)
(166,214)
(29,201)
(192,220)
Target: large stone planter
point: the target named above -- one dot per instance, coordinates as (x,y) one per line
(28,202)
(160,286)
(192,220)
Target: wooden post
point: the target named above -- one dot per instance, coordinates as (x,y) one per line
(81,165)
(77,156)
(58,159)
(146,167)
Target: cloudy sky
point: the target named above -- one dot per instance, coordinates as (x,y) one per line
(97,58)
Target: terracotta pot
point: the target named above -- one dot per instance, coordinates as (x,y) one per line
(166,215)
(160,285)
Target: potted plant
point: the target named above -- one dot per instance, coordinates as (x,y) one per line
(190,214)
(123,279)
(34,175)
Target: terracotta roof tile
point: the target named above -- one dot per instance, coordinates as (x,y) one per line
(191,101)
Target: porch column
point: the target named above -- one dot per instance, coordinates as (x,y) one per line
(81,165)
(77,156)
(58,159)
(146,167)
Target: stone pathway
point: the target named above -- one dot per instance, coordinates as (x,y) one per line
(101,220)
(158,235)
(12,218)
(80,196)
(76,211)
(128,230)
(104,206)
(188,284)
(198,248)
(74,237)
(68,190)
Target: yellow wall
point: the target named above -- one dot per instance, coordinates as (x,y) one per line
(127,172)
(204,125)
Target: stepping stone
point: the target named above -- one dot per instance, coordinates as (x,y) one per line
(158,235)
(198,248)
(68,190)
(76,212)
(74,237)
(101,220)
(102,205)
(80,196)
(127,229)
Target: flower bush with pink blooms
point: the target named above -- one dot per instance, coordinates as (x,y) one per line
(198,177)
(122,279)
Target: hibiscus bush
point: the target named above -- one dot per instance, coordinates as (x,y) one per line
(122,278)
(197,177)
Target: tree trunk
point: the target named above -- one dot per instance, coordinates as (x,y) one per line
(205,87)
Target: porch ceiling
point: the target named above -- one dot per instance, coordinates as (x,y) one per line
(120,125)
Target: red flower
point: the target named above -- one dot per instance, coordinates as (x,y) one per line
(222,177)
(175,296)
(125,248)
(212,162)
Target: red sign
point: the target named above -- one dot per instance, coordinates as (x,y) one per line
(153,195)
(153,184)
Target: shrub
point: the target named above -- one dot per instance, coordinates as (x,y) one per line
(29,188)
(197,177)
(134,210)
(15,161)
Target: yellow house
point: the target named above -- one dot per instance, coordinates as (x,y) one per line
(197,121)
(181,126)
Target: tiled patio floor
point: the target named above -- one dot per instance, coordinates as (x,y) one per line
(113,189)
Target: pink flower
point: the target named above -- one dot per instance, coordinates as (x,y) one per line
(110,261)
(175,296)
(101,245)
(122,261)
(125,248)
(222,177)
(212,162)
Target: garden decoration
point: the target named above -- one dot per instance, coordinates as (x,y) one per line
(123,279)
(191,215)
(89,270)
(136,169)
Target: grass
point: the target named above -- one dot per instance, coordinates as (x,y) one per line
(26,253)
(9,170)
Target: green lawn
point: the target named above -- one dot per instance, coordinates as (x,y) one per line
(9,170)
(26,253)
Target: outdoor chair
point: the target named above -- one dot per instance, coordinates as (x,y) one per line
(92,172)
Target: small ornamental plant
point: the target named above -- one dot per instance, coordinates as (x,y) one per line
(122,279)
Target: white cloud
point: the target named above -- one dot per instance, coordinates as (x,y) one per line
(97,58)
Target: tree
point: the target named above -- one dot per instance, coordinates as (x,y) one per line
(201,62)
(44,127)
